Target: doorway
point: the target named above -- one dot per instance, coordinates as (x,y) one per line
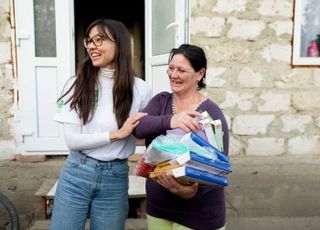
(156,26)
(86,12)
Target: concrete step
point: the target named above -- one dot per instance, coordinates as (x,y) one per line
(131,224)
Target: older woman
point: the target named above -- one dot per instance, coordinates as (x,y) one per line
(171,205)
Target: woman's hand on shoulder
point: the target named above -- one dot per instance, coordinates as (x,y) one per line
(184,191)
(127,127)
(188,120)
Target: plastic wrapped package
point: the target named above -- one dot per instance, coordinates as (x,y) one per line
(188,141)
(196,138)
(164,148)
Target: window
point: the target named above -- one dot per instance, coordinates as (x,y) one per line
(163,34)
(306,37)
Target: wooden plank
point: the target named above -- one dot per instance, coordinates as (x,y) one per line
(52,191)
(136,187)
(136,191)
(45,187)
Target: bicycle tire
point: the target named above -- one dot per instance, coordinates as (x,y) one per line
(12,211)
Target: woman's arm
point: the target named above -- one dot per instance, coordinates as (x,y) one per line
(158,119)
(76,140)
(161,119)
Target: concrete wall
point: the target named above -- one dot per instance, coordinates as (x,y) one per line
(272,108)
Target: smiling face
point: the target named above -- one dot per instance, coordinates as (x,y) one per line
(183,78)
(103,55)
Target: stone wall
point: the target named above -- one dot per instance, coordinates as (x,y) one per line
(271,107)
(6,82)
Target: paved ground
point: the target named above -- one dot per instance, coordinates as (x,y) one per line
(278,193)
(274,223)
(263,193)
(262,223)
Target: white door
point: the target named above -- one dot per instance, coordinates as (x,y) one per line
(166,27)
(45,60)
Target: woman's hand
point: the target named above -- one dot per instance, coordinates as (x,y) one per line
(184,191)
(188,121)
(127,127)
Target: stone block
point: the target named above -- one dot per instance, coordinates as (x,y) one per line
(30,158)
(295,122)
(265,146)
(210,26)
(276,8)
(228,6)
(245,29)
(274,102)
(251,124)
(304,145)
(277,52)
(282,27)
(249,78)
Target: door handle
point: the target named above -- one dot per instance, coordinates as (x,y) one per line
(22,36)
(173,24)
(24,133)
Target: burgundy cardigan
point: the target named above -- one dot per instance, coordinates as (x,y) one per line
(206,210)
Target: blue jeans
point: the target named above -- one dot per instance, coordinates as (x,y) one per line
(87,186)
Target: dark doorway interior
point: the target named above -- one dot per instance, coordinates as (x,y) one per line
(131,13)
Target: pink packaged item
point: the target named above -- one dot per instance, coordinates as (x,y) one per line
(142,168)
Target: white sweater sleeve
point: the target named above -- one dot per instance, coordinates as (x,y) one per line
(76,140)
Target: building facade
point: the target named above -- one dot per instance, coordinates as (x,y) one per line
(272,107)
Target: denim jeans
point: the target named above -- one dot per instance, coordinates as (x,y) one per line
(87,186)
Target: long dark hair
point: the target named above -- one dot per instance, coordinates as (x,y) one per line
(196,57)
(83,98)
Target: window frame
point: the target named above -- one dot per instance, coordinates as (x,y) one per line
(297,58)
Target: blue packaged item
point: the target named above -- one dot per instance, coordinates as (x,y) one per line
(195,147)
(189,173)
(200,141)
(195,160)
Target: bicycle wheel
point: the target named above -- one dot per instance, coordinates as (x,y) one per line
(11,212)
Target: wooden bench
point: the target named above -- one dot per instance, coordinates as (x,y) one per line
(136,191)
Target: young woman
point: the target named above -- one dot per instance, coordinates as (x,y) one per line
(99,108)
(171,205)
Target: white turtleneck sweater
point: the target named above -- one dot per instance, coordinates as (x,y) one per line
(93,138)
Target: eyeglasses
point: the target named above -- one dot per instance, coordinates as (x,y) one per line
(96,40)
